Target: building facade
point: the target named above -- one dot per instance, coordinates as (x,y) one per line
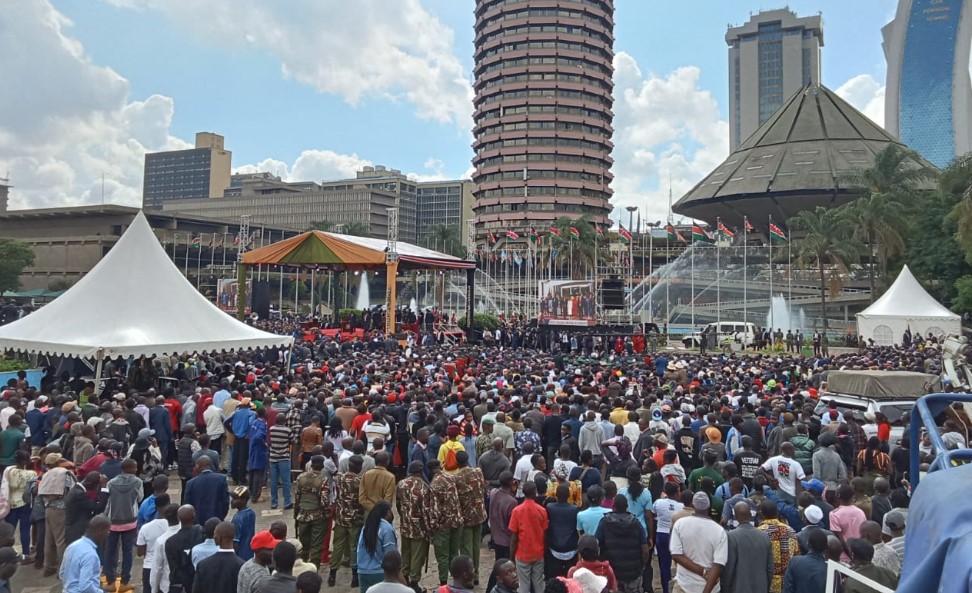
(772,56)
(928,98)
(543,112)
(199,172)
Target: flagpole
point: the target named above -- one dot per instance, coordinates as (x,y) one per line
(789,275)
(280,296)
(198,261)
(296,291)
(769,235)
(692,249)
(187,255)
(718,272)
(745,269)
(571,255)
(313,278)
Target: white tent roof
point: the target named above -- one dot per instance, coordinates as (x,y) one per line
(906,298)
(133,302)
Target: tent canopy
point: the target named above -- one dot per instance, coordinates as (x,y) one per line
(906,305)
(134,302)
(331,251)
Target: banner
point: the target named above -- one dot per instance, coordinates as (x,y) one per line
(567,302)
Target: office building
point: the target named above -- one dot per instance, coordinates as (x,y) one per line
(543,112)
(199,172)
(928,98)
(771,57)
(4,194)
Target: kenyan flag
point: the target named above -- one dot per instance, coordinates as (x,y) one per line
(777,234)
(574,232)
(673,234)
(725,232)
(511,234)
(699,234)
(554,231)
(624,234)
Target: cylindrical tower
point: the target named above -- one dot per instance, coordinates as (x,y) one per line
(543,112)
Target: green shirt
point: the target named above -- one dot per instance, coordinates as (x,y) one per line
(10,441)
(704,472)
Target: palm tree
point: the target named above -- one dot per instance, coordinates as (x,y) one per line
(355,229)
(446,238)
(886,193)
(579,250)
(827,237)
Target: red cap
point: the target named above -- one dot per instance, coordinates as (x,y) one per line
(263,540)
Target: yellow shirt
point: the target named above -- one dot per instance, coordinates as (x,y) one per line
(619,416)
(456,446)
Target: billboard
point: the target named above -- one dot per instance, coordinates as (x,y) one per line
(226,292)
(567,302)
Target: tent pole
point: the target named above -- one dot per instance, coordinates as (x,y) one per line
(241,272)
(99,367)
(391,273)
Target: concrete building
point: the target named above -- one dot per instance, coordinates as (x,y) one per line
(543,112)
(199,172)
(68,242)
(772,56)
(928,98)
(4,194)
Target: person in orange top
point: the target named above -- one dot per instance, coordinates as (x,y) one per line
(528,524)
(661,445)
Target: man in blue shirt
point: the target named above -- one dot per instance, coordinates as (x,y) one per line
(81,567)
(148,511)
(220,397)
(244,521)
(241,420)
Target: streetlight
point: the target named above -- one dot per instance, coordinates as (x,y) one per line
(631,210)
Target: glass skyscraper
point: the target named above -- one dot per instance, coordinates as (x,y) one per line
(928,100)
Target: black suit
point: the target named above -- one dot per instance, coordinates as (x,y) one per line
(209,494)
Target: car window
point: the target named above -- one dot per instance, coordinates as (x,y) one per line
(894,412)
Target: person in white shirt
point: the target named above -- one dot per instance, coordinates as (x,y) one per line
(147,537)
(159,572)
(700,548)
(785,472)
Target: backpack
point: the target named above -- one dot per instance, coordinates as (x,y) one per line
(576,494)
(450,463)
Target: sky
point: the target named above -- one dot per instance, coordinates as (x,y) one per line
(316,89)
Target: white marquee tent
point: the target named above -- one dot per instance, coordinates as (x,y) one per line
(905,305)
(134,302)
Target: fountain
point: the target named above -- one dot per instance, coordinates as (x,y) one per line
(781,317)
(364,294)
(413,305)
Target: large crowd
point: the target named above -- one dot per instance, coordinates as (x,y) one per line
(588,469)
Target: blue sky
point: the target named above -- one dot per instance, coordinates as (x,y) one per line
(278,79)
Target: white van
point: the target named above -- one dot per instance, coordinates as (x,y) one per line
(733,333)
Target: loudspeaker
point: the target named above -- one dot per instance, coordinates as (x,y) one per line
(612,294)
(261,299)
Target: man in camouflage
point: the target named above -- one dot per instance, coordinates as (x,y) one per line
(471,487)
(447,524)
(313,502)
(413,498)
(348,519)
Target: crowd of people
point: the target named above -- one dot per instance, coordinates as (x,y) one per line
(389,464)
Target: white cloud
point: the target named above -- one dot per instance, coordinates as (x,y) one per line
(355,50)
(67,121)
(866,94)
(311,165)
(664,126)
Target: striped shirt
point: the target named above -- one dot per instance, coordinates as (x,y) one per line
(279,442)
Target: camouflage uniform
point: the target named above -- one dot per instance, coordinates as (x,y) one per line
(348,519)
(413,499)
(447,523)
(471,486)
(313,505)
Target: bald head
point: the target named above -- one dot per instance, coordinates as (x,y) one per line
(187,515)
(225,532)
(742,512)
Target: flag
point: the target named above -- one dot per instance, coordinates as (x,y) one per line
(236,240)
(776,233)
(554,231)
(196,242)
(674,234)
(511,234)
(212,241)
(599,230)
(700,234)
(503,255)
(491,236)
(534,236)
(624,234)
(749,227)
(725,232)
(574,232)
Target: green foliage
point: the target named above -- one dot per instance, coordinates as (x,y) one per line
(963,296)
(14,257)
(10,366)
(321,225)
(580,250)
(342,313)
(355,229)
(481,321)
(60,284)
(445,238)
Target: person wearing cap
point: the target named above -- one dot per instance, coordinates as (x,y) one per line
(813,519)
(413,499)
(244,521)
(700,548)
(51,491)
(749,563)
(219,573)
(893,531)
(816,488)
(256,571)
(311,506)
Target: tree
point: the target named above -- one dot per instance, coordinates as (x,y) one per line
(578,251)
(886,192)
(321,225)
(446,238)
(14,257)
(355,229)
(826,238)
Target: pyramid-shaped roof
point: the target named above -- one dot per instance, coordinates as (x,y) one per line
(794,161)
(907,298)
(134,302)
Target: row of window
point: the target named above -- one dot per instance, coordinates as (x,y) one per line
(487,6)
(529,29)
(541,174)
(548,94)
(557,45)
(547,13)
(563,126)
(548,61)
(548,109)
(549,77)
(542,191)
(543,158)
(586,145)
(536,207)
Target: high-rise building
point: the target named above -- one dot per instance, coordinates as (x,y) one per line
(199,172)
(771,57)
(928,98)
(4,194)
(543,112)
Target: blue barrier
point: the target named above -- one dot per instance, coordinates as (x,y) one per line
(923,416)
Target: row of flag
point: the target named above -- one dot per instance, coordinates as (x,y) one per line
(776,233)
(197,242)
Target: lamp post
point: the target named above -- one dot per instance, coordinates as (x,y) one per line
(631,210)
